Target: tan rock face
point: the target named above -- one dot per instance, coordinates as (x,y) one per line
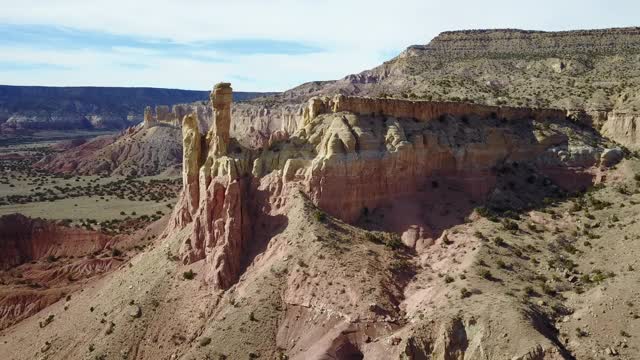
(623,127)
(149,119)
(191,161)
(173,116)
(253,124)
(351,156)
(221,99)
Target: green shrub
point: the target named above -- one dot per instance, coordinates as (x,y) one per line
(498,241)
(189,275)
(486,274)
(464,293)
(319,216)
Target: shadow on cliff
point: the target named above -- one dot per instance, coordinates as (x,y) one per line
(264,226)
(444,202)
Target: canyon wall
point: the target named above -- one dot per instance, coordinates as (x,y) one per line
(254,124)
(163,115)
(468,43)
(23,239)
(353,155)
(623,127)
(431,110)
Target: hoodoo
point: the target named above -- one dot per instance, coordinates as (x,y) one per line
(221,98)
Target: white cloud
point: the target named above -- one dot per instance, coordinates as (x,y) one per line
(354,33)
(247,73)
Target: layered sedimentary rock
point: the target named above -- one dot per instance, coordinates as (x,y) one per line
(23,239)
(592,71)
(254,124)
(354,155)
(469,43)
(164,115)
(624,127)
(138,151)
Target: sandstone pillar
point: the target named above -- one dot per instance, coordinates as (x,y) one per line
(148,117)
(191,161)
(221,98)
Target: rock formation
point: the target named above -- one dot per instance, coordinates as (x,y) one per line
(23,239)
(221,98)
(163,115)
(354,155)
(590,72)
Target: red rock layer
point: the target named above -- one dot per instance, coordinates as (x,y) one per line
(23,239)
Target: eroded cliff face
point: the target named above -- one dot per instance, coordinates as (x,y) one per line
(173,116)
(623,127)
(352,156)
(23,239)
(255,125)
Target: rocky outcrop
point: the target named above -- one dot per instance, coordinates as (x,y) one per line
(354,155)
(137,151)
(221,98)
(623,127)
(23,239)
(468,43)
(164,115)
(254,123)
(428,110)
(588,71)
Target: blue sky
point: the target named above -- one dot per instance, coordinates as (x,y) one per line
(258,45)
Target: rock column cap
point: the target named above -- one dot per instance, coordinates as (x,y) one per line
(222,94)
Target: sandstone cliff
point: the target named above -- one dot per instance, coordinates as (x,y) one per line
(359,159)
(354,155)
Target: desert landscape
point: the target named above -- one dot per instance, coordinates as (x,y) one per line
(474,197)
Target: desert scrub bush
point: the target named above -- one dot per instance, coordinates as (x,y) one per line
(393,242)
(319,216)
(498,241)
(480,235)
(448,279)
(301,263)
(581,333)
(400,266)
(486,213)
(374,237)
(464,293)
(547,289)
(486,274)
(46,321)
(510,225)
(189,275)
(529,291)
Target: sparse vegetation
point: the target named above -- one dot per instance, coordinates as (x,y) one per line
(189,275)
